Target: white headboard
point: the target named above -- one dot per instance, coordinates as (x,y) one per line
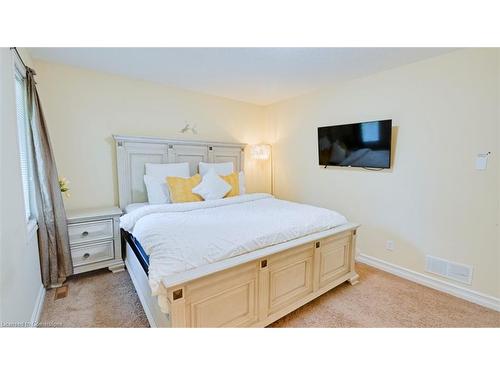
(133,152)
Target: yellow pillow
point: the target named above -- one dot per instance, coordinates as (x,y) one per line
(181,189)
(233,180)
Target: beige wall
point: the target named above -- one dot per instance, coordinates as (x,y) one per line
(20,281)
(445,111)
(433,201)
(83,108)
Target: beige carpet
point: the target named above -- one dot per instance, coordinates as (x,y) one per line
(104,299)
(95,299)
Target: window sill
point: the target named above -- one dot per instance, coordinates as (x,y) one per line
(32,228)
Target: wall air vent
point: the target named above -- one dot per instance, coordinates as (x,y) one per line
(450,270)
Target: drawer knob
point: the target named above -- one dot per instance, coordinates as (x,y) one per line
(86,255)
(85,234)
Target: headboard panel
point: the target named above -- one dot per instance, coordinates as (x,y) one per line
(192,154)
(132,153)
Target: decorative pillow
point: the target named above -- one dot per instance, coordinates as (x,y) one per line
(233,180)
(222,169)
(154,179)
(242,186)
(212,186)
(181,189)
(157,190)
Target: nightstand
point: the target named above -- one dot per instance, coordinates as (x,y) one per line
(94,238)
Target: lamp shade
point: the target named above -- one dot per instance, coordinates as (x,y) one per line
(260,152)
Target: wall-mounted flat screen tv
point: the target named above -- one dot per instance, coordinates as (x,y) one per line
(363,144)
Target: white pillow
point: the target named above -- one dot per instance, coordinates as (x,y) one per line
(157,190)
(241,180)
(155,176)
(212,186)
(222,169)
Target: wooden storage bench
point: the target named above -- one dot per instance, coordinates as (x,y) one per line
(259,292)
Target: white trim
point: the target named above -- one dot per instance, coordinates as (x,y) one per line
(37,311)
(432,282)
(126,138)
(31,229)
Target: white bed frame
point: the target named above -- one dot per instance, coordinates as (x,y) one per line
(250,290)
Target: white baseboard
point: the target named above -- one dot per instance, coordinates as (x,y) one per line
(37,311)
(431,282)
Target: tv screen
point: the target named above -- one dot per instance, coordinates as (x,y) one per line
(363,144)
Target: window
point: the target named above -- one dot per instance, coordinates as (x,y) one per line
(24,148)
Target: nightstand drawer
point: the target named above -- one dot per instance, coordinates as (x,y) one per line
(90,231)
(91,253)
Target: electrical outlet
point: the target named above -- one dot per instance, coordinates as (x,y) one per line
(389,245)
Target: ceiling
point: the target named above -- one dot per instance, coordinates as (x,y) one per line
(255,75)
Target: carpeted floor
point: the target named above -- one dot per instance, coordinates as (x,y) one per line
(104,299)
(95,299)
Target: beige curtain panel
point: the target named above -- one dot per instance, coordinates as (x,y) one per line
(53,242)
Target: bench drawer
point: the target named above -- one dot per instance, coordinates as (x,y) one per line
(334,259)
(290,277)
(227,299)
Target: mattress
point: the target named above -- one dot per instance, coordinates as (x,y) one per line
(181,237)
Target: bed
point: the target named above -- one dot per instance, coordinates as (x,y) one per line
(243,261)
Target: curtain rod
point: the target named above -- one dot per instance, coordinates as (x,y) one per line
(21,59)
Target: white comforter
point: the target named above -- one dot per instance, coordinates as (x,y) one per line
(179,237)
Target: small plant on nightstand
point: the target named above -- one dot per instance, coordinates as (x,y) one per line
(63,186)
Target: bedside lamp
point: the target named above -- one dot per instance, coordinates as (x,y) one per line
(263,152)
(260,152)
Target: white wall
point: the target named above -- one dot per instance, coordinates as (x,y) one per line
(498,131)
(83,108)
(20,282)
(433,201)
